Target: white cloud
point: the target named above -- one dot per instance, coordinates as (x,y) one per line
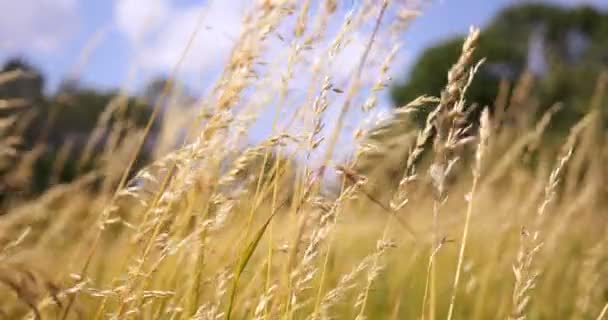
(159,31)
(42,25)
(349,58)
(136,18)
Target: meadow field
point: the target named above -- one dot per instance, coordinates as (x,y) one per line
(475,212)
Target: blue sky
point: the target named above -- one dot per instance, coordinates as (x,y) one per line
(101,41)
(111,44)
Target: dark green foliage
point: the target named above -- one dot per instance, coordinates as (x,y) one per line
(573,50)
(69,116)
(30,85)
(80,110)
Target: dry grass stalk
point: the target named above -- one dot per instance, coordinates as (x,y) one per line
(531,242)
(211,229)
(484,134)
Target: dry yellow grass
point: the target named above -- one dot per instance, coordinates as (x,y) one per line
(213,231)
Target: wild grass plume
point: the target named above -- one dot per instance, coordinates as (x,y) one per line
(473,215)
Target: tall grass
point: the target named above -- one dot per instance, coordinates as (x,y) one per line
(291,227)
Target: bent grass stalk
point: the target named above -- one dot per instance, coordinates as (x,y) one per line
(484,133)
(183,239)
(134,156)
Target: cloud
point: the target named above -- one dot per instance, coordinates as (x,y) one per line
(42,25)
(136,18)
(159,31)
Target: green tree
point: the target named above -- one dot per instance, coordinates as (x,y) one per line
(30,85)
(556,53)
(51,121)
(565,49)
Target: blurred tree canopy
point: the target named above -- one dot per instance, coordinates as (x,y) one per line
(73,125)
(536,55)
(565,49)
(48,122)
